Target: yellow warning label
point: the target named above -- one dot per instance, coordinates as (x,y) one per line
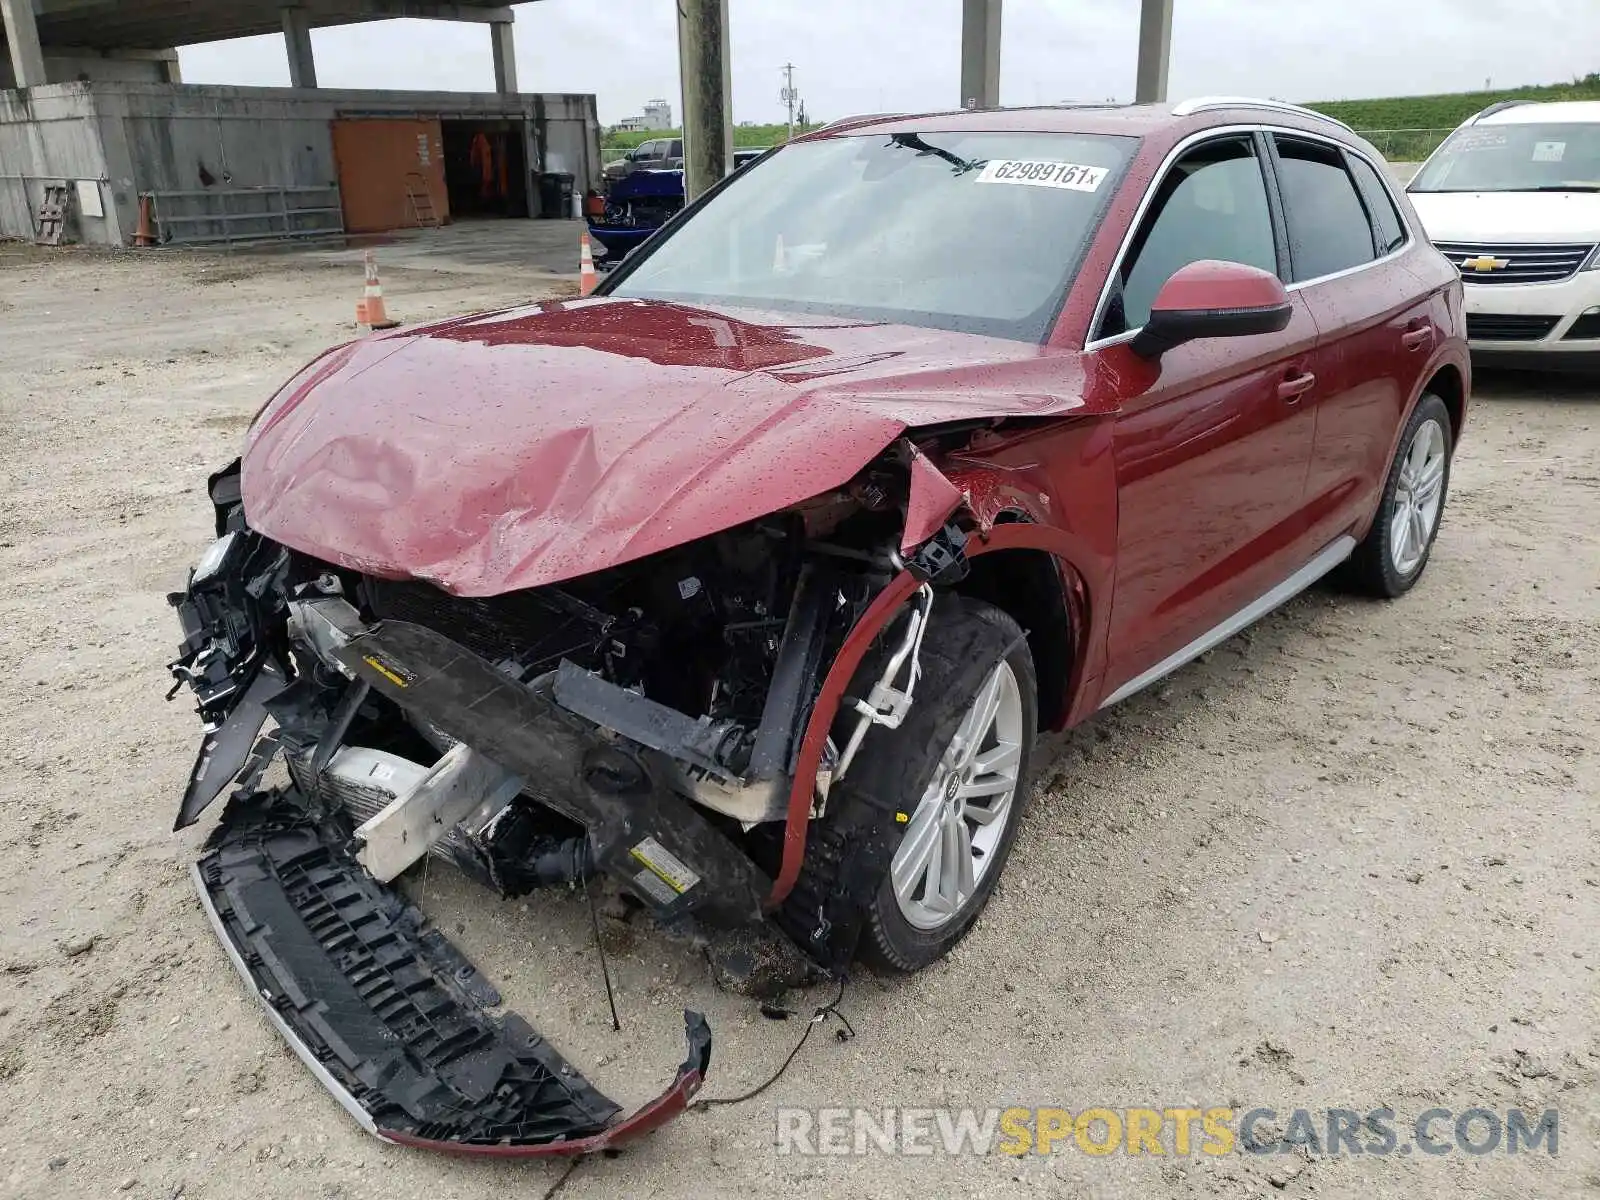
(388,672)
(667,867)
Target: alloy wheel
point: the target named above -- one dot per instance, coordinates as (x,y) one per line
(1417,498)
(951,839)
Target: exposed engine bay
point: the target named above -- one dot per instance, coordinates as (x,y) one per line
(641,723)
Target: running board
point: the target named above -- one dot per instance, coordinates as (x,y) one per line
(386,1013)
(1327,560)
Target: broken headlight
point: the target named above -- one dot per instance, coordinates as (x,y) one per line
(214,559)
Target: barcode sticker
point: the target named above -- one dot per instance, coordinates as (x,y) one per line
(1033,172)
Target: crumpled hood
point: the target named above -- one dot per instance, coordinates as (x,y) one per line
(518,448)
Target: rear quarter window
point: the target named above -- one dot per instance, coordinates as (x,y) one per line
(1328,227)
(1391,228)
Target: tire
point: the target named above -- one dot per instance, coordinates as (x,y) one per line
(846,894)
(1393,556)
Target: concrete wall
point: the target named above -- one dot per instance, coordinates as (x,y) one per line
(144,137)
(51,134)
(68,66)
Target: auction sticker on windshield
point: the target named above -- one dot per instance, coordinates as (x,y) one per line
(1042,173)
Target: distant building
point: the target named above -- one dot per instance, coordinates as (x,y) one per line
(657,115)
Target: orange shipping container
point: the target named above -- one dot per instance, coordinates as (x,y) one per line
(380,163)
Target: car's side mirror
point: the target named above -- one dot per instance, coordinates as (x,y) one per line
(1209,299)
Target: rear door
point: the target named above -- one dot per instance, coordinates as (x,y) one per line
(1211,458)
(1347,242)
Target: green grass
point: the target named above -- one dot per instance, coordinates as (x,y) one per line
(1439,114)
(744,136)
(1430,117)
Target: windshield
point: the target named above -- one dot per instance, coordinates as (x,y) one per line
(977,232)
(1515,158)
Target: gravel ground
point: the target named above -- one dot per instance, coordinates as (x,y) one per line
(1350,859)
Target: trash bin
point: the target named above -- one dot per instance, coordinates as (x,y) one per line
(555,193)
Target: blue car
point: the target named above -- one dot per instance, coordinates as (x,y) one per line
(641,203)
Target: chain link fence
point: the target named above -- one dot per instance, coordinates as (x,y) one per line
(1406,145)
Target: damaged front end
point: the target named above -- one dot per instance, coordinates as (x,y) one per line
(641,724)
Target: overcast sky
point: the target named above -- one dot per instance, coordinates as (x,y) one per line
(855,56)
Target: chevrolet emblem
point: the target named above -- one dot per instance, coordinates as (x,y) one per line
(1484,262)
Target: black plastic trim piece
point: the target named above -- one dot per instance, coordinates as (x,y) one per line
(383,1010)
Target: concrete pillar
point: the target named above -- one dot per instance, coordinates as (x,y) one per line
(22,35)
(505,58)
(1155,51)
(705,69)
(297,39)
(980,53)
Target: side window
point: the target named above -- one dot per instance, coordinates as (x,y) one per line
(1391,228)
(646,151)
(1328,226)
(1211,204)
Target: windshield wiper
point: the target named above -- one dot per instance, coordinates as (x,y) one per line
(913,141)
(1559,187)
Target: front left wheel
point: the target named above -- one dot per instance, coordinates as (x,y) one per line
(918,833)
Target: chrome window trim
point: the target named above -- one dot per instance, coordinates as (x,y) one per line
(1219,131)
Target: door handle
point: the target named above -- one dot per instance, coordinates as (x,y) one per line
(1295,386)
(1416,339)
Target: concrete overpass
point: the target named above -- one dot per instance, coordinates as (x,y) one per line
(704,64)
(151,27)
(37,30)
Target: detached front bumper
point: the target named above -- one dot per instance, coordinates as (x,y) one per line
(384,1011)
(387,1014)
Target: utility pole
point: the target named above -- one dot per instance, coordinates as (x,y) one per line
(704,68)
(789,95)
(1155,51)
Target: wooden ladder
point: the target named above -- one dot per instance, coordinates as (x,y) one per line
(421,201)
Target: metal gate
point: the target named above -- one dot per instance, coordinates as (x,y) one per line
(255,214)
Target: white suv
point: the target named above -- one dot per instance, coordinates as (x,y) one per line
(1512,198)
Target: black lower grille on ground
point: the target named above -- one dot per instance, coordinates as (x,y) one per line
(1509,327)
(389,1014)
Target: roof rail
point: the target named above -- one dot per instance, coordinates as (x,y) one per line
(1188,108)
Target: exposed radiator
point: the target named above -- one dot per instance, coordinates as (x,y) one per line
(364,782)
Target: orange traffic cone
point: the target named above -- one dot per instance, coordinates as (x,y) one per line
(587,279)
(145,235)
(370,311)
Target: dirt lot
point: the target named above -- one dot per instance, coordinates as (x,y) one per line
(1351,859)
